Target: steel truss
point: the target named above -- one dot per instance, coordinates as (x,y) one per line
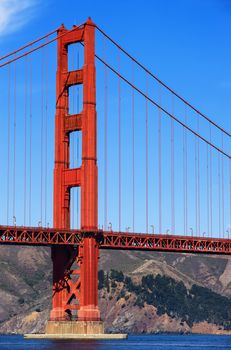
(114,240)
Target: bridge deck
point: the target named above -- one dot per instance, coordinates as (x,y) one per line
(114,240)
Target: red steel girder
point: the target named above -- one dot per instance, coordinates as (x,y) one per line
(38,236)
(114,240)
(168,243)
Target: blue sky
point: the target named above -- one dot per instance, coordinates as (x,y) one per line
(185,43)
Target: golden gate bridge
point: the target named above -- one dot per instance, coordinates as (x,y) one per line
(162,163)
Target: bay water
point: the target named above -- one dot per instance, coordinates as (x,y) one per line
(134,342)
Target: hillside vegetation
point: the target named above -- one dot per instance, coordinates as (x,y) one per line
(198,304)
(155,292)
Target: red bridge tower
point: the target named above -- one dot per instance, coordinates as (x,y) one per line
(75,269)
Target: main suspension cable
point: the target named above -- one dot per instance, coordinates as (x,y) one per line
(163,109)
(163,84)
(40,46)
(27,45)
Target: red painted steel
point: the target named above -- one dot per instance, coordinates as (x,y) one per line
(139,64)
(83,293)
(38,236)
(168,243)
(89,187)
(114,240)
(75,253)
(187,127)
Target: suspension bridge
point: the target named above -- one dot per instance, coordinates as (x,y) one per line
(149,171)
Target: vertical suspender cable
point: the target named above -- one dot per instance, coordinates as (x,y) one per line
(160,162)
(105,135)
(14,156)
(196,186)
(172,172)
(42,131)
(198,174)
(222,188)
(186,174)
(45,133)
(25,139)
(186,180)
(207,188)
(146,122)
(211,181)
(133,152)
(219,195)
(119,139)
(41,139)
(8,149)
(30,154)
(229,196)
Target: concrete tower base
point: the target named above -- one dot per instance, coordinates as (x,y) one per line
(75,330)
(75,327)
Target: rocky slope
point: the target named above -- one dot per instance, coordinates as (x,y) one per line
(25,288)
(209,271)
(160,303)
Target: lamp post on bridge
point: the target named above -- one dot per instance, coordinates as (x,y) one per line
(14,220)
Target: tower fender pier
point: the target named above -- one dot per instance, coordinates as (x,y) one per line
(75,327)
